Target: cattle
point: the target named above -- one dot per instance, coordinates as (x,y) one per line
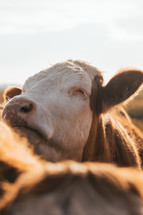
(32,186)
(76,188)
(67,112)
(15,155)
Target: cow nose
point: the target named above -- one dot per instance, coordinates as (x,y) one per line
(26,107)
(18,108)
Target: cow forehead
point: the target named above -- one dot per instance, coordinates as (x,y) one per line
(64,74)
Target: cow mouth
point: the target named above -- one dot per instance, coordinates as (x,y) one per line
(34,136)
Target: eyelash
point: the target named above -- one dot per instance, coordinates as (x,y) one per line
(80,92)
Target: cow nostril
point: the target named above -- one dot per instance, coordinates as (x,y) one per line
(27,108)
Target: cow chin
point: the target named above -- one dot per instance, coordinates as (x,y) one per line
(35,138)
(46,148)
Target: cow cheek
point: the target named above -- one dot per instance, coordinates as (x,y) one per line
(73,134)
(84,130)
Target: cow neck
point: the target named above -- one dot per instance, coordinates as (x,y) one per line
(109,142)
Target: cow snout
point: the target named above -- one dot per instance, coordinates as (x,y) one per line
(18,111)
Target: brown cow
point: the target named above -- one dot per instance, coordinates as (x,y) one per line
(74,188)
(66,112)
(15,157)
(31,186)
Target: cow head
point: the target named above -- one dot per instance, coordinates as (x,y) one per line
(56,106)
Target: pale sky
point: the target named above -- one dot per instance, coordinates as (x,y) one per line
(35,34)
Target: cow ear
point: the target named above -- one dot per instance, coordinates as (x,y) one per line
(120,88)
(10,92)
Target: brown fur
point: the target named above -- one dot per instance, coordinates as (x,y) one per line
(10,92)
(73,188)
(15,156)
(113,143)
(113,138)
(31,186)
(121,87)
(1,109)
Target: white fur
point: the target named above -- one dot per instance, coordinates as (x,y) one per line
(62,112)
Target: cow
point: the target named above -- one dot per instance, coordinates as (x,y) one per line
(70,187)
(15,157)
(29,185)
(67,112)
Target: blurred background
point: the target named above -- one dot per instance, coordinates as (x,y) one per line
(34,34)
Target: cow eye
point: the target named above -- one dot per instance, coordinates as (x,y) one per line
(79,91)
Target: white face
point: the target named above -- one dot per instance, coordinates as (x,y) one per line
(63,114)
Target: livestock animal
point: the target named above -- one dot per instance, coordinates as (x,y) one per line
(15,156)
(72,188)
(66,112)
(33,186)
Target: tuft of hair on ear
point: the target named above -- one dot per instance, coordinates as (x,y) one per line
(123,86)
(10,92)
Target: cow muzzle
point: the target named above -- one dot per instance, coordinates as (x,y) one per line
(17,112)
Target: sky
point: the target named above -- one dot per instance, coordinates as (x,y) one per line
(35,34)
